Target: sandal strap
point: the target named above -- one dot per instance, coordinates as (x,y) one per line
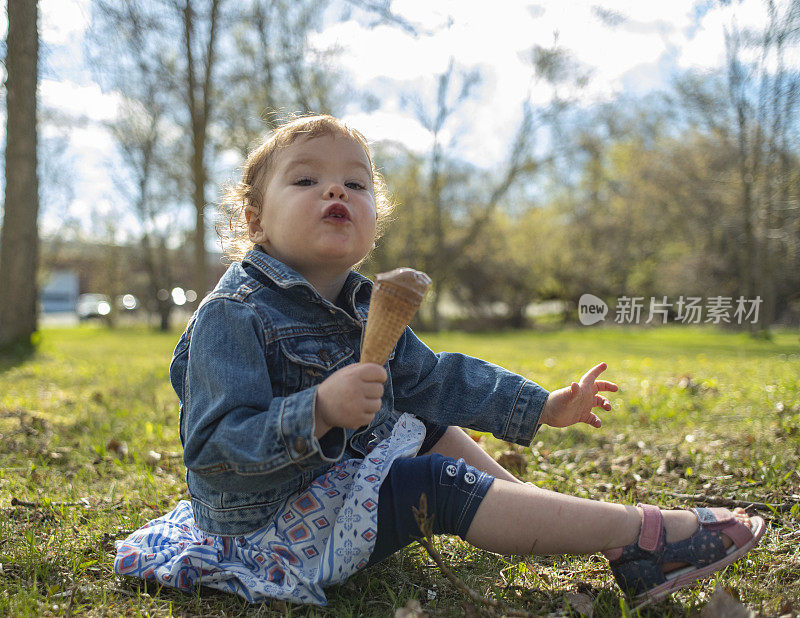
(712,517)
(652,530)
(722,520)
(638,567)
(651,533)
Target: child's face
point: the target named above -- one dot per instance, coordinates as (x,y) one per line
(318,212)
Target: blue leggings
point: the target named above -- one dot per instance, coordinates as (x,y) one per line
(453,489)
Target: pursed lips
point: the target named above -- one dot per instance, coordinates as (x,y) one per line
(337,213)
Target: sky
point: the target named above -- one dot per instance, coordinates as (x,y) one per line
(628,47)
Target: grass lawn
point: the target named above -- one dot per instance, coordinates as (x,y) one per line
(89,451)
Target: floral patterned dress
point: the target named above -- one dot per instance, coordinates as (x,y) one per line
(318,538)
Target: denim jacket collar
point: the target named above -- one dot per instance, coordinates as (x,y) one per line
(355,291)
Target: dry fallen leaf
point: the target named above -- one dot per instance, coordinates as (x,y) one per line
(723,605)
(581,603)
(470,611)
(786,607)
(120,449)
(412,610)
(476,436)
(513,462)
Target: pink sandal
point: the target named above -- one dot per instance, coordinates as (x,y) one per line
(638,568)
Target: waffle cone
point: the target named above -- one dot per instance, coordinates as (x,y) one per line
(396,296)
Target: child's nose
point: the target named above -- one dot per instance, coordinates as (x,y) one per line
(337,192)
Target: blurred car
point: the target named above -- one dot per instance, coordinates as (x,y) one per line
(92,306)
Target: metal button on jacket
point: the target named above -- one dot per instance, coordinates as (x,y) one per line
(469,478)
(300,445)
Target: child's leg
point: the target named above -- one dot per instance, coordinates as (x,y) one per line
(516,518)
(538,521)
(457,444)
(453,490)
(524,519)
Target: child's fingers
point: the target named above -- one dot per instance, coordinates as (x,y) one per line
(591,375)
(372,372)
(603,385)
(593,420)
(371,407)
(373,390)
(602,402)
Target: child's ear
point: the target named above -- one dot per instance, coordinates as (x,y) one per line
(255,230)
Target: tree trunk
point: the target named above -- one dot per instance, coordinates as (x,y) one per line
(200,100)
(748,167)
(199,237)
(749,262)
(19,239)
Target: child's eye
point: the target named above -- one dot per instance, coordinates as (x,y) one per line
(304,182)
(356,186)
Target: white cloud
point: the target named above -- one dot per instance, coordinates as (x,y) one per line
(498,37)
(59,20)
(704,48)
(674,12)
(62,20)
(383,125)
(79,101)
(651,41)
(383,50)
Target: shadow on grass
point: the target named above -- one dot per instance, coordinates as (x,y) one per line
(17,352)
(203,601)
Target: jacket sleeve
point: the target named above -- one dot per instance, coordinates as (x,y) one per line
(237,435)
(456,389)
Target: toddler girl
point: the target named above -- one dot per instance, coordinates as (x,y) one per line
(303,464)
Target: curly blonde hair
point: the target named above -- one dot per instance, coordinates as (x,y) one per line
(246,194)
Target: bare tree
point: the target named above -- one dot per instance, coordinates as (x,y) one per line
(220,100)
(738,84)
(140,136)
(764,96)
(201,99)
(19,240)
(168,47)
(275,70)
(436,263)
(150,141)
(457,216)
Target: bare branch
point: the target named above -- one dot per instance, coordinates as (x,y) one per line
(425,524)
(383,10)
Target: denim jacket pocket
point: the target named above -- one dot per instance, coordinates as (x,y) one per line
(307,360)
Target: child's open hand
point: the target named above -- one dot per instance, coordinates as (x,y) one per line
(349,397)
(573,404)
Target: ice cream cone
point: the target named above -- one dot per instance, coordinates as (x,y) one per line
(396,296)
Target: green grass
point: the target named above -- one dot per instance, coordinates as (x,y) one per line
(699,412)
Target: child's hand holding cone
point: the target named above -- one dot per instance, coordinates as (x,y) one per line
(351,396)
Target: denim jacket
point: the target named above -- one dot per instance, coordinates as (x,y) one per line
(246,372)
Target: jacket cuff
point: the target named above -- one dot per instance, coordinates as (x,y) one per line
(524,420)
(297,430)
